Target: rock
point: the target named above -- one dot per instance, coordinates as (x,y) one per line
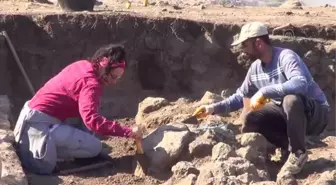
(264,183)
(153,43)
(235,170)
(189,180)
(200,67)
(237,166)
(248,153)
(151,104)
(176,47)
(184,168)
(311,58)
(210,46)
(326,178)
(6,136)
(221,152)
(147,106)
(244,61)
(216,132)
(164,145)
(205,177)
(200,147)
(202,7)
(294,4)
(254,140)
(331,50)
(264,175)
(246,178)
(285,180)
(210,97)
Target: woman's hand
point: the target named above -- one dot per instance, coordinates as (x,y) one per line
(136,133)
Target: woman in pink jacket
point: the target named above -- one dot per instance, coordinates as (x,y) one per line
(40,132)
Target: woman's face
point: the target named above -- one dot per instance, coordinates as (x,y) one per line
(113,76)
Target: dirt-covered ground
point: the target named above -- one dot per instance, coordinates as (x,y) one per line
(321,155)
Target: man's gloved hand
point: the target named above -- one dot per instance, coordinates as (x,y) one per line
(136,133)
(203,111)
(258,101)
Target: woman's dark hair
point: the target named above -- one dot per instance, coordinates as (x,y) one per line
(113,52)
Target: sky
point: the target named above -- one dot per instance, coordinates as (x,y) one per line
(319,2)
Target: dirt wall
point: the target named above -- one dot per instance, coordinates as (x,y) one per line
(168,57)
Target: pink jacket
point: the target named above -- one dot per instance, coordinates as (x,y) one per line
(74,92)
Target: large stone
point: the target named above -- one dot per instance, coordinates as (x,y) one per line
(237,166)
(151,104)
(184,168)
(164,145)
(200,147)
(147,107)
(254,140)
(221,152)
(248,153)
(205,177)
(216,131)
(235,170)
(210,97)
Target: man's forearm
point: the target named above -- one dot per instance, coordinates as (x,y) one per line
(234,102)
(296,85)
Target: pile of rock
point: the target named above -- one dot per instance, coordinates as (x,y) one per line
(226,157)
(211,152)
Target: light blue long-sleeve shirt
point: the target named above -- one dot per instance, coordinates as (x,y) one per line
(285,74)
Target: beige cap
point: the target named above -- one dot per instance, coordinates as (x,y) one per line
(250,30)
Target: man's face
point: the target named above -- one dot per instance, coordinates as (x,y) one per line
(250,48)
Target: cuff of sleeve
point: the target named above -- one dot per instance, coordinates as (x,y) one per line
(210,109)
(127,131)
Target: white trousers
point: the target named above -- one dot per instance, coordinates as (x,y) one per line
(43,139)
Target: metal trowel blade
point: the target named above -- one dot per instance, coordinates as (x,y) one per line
(191,120)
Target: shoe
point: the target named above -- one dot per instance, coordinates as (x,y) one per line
(294,164)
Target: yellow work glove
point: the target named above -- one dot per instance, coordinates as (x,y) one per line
(258,101)
(203,111)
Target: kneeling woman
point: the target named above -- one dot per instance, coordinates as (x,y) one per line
(42,136)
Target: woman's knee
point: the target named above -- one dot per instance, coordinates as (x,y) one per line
(95,146)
